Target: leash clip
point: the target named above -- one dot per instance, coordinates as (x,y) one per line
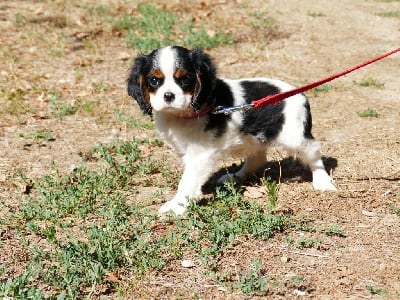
(227,110)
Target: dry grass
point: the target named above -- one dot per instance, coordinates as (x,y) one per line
(82,171)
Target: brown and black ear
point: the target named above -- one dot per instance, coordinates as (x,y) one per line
(136,84)
(205,78)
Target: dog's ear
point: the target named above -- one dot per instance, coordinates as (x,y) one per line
(136,84)
(205,78)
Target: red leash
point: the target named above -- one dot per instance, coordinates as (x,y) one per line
(276,98)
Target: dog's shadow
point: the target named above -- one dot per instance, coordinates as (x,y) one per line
(285,170)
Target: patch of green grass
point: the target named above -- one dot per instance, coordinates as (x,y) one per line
(308,243)
(130,121)
(156,27)
(396,209)
(43,134)
(369,113)
(262,22)
(325,88)
(96,10)
(20,287)
(55,52)
(80,251)
(371,82)
(332,230)
(78,228)
(390,14)
(253,282)
(61,109)
(100,86)
(316,14)
(302,242)
(375,290)
(19,20)
(125,23)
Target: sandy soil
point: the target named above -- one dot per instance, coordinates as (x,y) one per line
(312,39)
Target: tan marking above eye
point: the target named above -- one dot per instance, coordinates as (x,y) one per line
(180,73)
(157,73)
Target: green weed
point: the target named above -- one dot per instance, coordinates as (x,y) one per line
(262,22)
(100,86)
(40,135)
(377,290)
(371,82)
(61,109)
(20,287)
(396,210)
(316,14)
(325,88)
(390,14)
(332,230)
(131,122)
(272,189)
(369,113)
(308,243)
(19,20)
(253,282)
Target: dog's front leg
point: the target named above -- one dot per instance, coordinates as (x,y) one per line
(197,170)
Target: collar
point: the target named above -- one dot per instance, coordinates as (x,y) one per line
(199,114)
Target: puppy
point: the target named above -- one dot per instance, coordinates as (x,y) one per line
(179,86)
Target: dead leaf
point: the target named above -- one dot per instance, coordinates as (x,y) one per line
(82,62)
(254,192)
(123,56)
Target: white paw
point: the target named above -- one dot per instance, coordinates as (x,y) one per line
(324,184)
(175,206)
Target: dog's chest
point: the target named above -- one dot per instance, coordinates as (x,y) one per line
(182,134)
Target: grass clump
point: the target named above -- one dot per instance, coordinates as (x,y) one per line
(272,189)
(390,14)
(325,88)
(375,290)
(368,113)
(332,230)
(369,81)
(61,109)
(262,22)
(316,14)
(155,27)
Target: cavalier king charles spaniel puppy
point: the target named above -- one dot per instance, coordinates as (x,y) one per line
(180,88)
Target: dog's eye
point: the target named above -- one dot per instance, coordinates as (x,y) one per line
(154,81)
(186,80)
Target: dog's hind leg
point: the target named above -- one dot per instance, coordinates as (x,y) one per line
(309,154)
(252,163)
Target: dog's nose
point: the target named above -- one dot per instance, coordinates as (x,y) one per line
(169,97)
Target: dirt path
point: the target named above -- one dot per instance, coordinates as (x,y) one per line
(314,39)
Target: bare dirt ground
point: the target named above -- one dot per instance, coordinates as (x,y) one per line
(51,46)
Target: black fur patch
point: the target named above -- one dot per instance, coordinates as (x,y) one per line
(223,96)
(265,122)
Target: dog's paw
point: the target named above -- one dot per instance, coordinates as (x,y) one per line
(324,183)
(177,207)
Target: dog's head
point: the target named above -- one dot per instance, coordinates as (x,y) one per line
(173,80)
